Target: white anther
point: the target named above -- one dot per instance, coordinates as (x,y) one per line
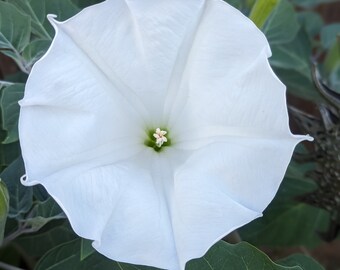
(160,137)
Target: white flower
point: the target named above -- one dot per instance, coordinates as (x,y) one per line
(123,70)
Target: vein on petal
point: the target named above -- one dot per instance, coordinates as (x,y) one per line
(182,63)
(124,90)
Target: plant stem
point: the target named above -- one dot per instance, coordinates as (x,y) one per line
(6,266)
(5,83)
(21,230)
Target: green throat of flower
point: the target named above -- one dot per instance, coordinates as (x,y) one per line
(158,139)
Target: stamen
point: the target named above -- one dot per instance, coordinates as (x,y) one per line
(160,137)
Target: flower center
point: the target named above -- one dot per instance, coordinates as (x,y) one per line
(157,139)
(160,137)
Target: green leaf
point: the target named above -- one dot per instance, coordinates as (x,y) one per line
(235,3)
(329,34)
(49,237)
(86,3)
(68,256)
(261,11)
(221,256)
(312,3)
(20,196)
(86,249)
(334,79)
(4,206)
(35,50)
(282,24)
(292,64)
(8,153)
(332,59)
(37,10)
(10,110)
(303,261)
(44,212)
(312,22)
(243,256)
(15,30)
(288,222)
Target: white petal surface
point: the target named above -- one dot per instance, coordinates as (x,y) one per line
(212,198)
(123,207)
(252,105)
(71,113)
(139,52)
(225,44)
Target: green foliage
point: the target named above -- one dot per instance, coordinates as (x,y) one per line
(10,110)
(292,63)
(44,212)
(221,256)
(4,205)
(311,22)
(21,198)
(261,11)
(329,34)
(300,260)
(15,28)
(288,222)
(312,3)
(68,256)
(282,24)
(243,256)
(86,249)
(48,237)
(38,9)
(86,3)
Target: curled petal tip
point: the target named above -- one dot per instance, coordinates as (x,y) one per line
(52,19)
(309,138)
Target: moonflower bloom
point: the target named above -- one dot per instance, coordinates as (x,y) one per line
(158,126)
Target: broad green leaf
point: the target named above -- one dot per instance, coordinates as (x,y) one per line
(298,84)
(37,10)
(243,256)
(312,3)
(86,249)
(44,212)
(288,222)
(86,3)
(301,260)
(282,24)
(292,64)
(10,111)
(50,236)
(40,193)
(222,256)
(67,256)
(8,153)
(35,50)
(261,11)
(15,30)
(311,21)
(4,205)
(329,34)
(20,196)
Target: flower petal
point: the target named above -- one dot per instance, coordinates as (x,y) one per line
(139,53)
(123,207)
(225,44)
(210,193)
(252,104)
(71,113)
